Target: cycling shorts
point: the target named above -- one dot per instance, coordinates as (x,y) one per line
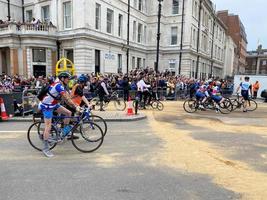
(48,110)
(245,94)
(200,95)
(216,98)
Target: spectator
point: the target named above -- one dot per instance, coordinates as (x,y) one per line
(256,87)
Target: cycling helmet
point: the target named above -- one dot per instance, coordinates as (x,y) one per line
(82,79)
(64,75)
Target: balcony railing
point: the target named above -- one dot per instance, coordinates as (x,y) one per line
(14,28)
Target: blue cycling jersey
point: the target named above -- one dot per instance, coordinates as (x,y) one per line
(245,86)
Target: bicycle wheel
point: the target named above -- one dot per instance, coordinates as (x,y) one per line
(154,104)
(119,104)
(234,103)
(90,137)
(226,106)
(96,103)
(134,103)
(100,122)
(252,105)
(160,106)
(190,106)
(35,136)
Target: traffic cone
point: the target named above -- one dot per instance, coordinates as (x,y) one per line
(3,110)
(130,107)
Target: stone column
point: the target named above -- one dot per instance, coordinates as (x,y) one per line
(25,71)
(83,57)
(14,66)
(258,65)
(54,61)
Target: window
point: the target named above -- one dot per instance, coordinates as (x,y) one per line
(97,16)
(69,54)
(140,5)
(133,62)
(175,7)
(109,21)
(192,71)
(264,62)
(144,6)
(145,34)
(194,37)
(120,25)
(119,63)
(45,14)
(67,14)
(196,11)
(203,17)
(134,30)
(172,65)
(174,31)
(29,15)
(205,43)
(140,30)
(139,63)
(39,55)
(135,3)
(144,63)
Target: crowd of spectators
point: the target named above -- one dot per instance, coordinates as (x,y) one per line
(165,81)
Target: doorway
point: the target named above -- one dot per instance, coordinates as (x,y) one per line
(39,70)
(97,61)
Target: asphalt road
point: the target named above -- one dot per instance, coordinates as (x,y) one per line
(122,168)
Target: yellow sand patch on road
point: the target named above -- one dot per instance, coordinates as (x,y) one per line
(182,152)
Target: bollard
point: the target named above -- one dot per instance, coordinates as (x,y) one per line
(136,105)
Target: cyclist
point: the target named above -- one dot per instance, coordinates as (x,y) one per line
(50,103)
(77,95)
(102,91)
(202,94)
(142,88)
(245,88)
(216,95)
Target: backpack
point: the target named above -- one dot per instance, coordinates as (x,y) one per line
(43,92)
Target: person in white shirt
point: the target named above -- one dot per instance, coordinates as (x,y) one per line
(142,88)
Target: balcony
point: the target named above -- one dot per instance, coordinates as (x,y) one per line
(27,29)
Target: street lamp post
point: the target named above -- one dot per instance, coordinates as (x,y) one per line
(128,38)
(8,10)
(181,43)
(23,16)
(158,35)
(198,37)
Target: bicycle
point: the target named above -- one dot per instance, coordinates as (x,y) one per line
(88,117)
(155,104)
(91,136)
(192,105)
(239,102)
(119,103)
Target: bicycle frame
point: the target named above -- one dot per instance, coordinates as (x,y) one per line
(77,119)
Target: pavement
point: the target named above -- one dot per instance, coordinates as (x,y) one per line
(108,115)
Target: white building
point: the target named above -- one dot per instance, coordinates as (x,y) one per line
(94,35)
(229,56)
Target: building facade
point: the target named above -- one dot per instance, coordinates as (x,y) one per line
(230,57)
(257,62)
(236,30)
(93,34)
